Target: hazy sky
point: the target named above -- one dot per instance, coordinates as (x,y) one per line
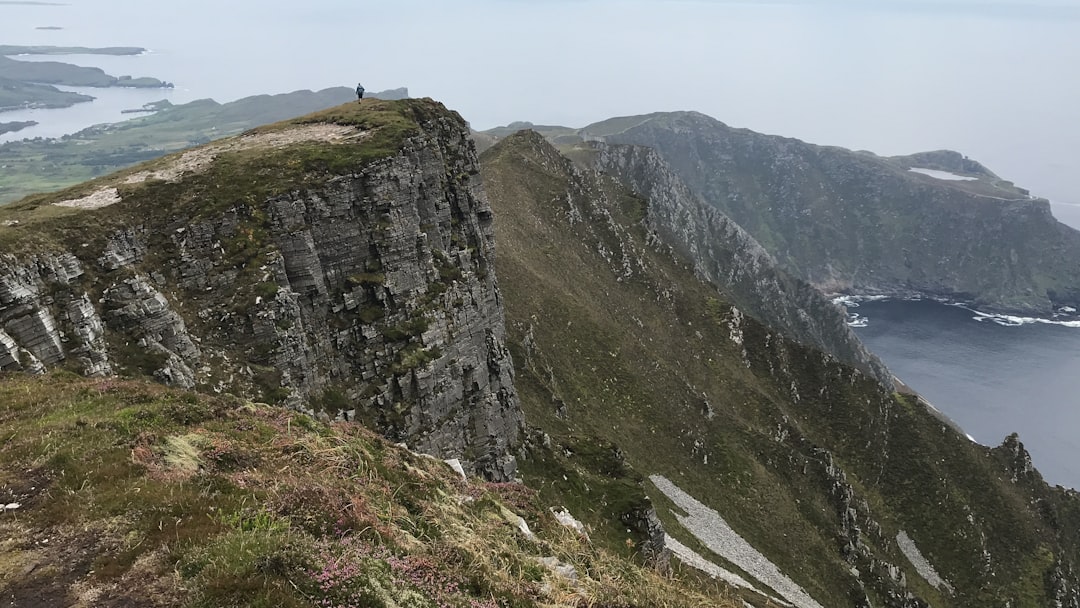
(993,79)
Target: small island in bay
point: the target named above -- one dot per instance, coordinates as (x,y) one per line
(28,84)
(17,49)
(48,27)
(18,125)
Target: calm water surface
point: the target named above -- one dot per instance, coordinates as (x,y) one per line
(991,379)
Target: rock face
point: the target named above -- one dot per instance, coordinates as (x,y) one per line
(727,256)
(366,290)
(858,223)
(635,366)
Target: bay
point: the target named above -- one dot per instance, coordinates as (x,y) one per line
(989,378)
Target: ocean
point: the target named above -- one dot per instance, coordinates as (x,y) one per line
(993,376)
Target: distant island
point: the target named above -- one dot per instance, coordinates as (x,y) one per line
(48,27)
(16,95)
(11,127)
(16,49)
(28,84)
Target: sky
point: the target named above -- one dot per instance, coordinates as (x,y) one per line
(990,78)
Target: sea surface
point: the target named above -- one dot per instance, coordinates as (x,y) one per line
(992,375)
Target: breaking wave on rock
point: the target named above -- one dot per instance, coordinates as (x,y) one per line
(1065,316)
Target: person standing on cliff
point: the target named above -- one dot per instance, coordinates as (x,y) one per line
(359,92)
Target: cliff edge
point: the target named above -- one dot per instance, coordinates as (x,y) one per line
(341,260)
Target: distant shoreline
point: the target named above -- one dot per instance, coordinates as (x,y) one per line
(11,127)
(45,49)
(30,84)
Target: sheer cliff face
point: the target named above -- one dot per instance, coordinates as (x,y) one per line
(363,287)
(727,256)
(855,222)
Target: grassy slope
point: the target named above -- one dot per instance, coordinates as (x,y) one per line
(135,495)
(640,387)
(234,177)
(633,364)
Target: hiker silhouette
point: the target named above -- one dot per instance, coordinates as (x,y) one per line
(359,92)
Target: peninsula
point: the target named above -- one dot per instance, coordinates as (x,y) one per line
(29,84)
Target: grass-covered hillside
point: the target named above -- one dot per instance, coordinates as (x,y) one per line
(124,493)
(633,367)
(855,222)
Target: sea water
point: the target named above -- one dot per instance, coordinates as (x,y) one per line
(993,375)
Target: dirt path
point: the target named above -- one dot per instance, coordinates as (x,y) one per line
(198,159)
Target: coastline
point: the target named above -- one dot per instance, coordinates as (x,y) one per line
(1065,316)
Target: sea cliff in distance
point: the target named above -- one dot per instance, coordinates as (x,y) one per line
(935,225)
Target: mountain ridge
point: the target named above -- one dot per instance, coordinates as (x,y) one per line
(343,264)
(863,224)
(633,366)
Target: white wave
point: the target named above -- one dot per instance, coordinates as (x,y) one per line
(1018,321)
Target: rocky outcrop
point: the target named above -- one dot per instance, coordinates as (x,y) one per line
(857,223)
(366,293)
(727,256)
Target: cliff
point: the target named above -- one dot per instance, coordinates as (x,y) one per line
(727,256)
(339,262)
(124,493)
(670,420)
(857,223)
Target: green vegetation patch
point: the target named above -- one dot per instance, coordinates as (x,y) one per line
(239,177)
(157,495)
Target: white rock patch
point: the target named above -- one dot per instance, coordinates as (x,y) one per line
(922,565)
(197,160)
(691,558)
(944,175)
(569,521)
(96,200)
(455,464)
(711,529)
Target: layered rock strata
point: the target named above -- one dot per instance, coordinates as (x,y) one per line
(365,292)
